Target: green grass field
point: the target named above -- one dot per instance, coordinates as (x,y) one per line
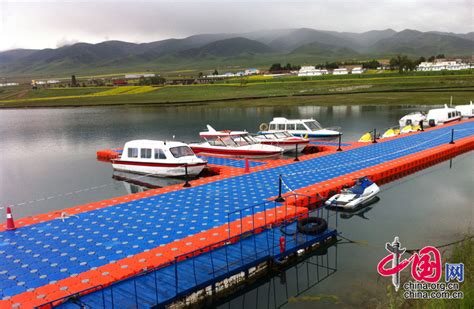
(393,89)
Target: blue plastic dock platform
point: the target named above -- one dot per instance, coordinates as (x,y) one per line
(39,254)
(164,285)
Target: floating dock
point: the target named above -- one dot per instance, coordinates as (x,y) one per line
(166,243)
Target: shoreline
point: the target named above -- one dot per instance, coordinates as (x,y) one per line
(290,97)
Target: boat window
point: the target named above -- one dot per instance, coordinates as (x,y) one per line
(281,126)
(300,127)
(449,115)
(145,153)
(181,151)
(214,141)
(159,154)
(272,126)
(243,140)
(291,126)
(133,152)
(313,125)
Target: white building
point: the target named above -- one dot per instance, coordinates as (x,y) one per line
(252,71)
(9,84)
(133,76)
(53,81)
(309,71)
(443,65)
(357,70)
(342,71)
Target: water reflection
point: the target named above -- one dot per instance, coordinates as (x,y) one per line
(134,183)
(289,284)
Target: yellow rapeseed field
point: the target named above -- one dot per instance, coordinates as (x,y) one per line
(123,90)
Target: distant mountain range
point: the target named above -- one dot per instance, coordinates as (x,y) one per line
(208,51)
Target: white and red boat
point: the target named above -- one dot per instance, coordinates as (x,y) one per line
(160,158)
(238,144)
(282,139)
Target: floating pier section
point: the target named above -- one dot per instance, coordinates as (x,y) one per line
(156,247)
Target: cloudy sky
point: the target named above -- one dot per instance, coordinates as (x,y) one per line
(53,23)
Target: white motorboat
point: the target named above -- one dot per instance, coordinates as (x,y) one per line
(159,158)
(467,111)
(362,193)
(412,119)
(308,128)
(439,116)
(282,139)
(239,144)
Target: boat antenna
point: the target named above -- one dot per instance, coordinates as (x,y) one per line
(451,102)
(174,136)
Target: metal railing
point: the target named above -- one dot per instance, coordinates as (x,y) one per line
(209,263)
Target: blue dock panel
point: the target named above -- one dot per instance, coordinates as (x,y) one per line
(35,255)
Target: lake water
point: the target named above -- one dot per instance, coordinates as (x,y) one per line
(49,152)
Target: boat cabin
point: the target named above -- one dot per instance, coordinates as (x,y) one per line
(466,110)
(149,150)
(439,116)
(283,124)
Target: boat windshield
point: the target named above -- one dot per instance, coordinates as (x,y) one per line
(222,141)
(244,140)
(181,151)
(313,125)
(283,134)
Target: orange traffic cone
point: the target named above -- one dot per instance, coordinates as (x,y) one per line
(247,166)
(10,222)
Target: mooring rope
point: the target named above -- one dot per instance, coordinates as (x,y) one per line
(367,244)
(445,245)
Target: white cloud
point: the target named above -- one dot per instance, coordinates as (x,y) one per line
(64,41)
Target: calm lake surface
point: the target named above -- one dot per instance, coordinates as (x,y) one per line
(47,153)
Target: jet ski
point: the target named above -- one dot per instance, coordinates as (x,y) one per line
(362,193)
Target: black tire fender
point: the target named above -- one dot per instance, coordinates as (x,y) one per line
(312,225)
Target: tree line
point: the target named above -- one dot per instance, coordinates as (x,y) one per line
(401,63)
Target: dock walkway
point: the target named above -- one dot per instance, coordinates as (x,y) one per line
(44,261)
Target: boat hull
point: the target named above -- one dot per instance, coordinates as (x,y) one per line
(328,137)
(159,169)
(235,153)
(288,146)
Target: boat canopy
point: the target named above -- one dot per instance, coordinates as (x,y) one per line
(211,132)
(281,123)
